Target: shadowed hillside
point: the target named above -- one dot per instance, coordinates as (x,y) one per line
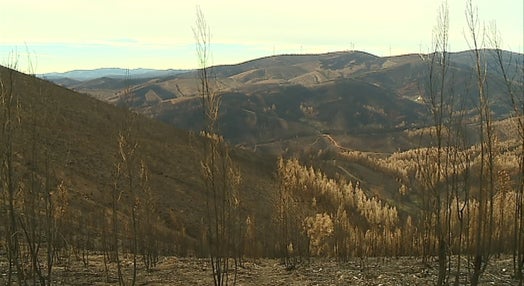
(271,101)
(62,137)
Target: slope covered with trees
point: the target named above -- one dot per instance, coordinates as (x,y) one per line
(79,175)
(446,180)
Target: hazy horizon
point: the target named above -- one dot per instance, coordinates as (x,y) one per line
(57,36)
(234,63)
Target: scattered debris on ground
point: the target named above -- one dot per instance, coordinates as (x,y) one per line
(321,271)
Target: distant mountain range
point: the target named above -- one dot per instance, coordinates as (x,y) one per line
(117,73)
(275,102)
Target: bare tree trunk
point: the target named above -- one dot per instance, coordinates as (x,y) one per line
(517,104)
(220,177)
(9,104)
(486,173)
(435,174)
(115,199)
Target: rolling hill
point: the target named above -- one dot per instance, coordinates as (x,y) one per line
(277,102)
(311,106)
(319,108)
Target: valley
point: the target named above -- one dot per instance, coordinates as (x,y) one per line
(343,157)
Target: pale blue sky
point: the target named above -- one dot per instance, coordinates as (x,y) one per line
(85,34)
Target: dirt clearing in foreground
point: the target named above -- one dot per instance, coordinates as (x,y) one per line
(195,271)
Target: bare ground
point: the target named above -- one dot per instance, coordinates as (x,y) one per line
(195,271)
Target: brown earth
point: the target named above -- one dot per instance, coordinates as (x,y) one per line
(195,271)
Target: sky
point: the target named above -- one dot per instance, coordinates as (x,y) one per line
(57,36)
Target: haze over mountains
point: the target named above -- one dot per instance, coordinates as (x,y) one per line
(277,101)
(83,75)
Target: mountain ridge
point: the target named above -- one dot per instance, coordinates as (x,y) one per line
(122,73)
(117,72)
(330,91)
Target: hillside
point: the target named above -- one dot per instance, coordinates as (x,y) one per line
(72,139)
(311,106)
(270,100)
(362,171)
(307,105)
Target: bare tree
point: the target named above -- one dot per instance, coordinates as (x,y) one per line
(127,151)
(147,208)
(9,118)
(221,179)
(439,101)
(486,183)
(513,91)
(116,196)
